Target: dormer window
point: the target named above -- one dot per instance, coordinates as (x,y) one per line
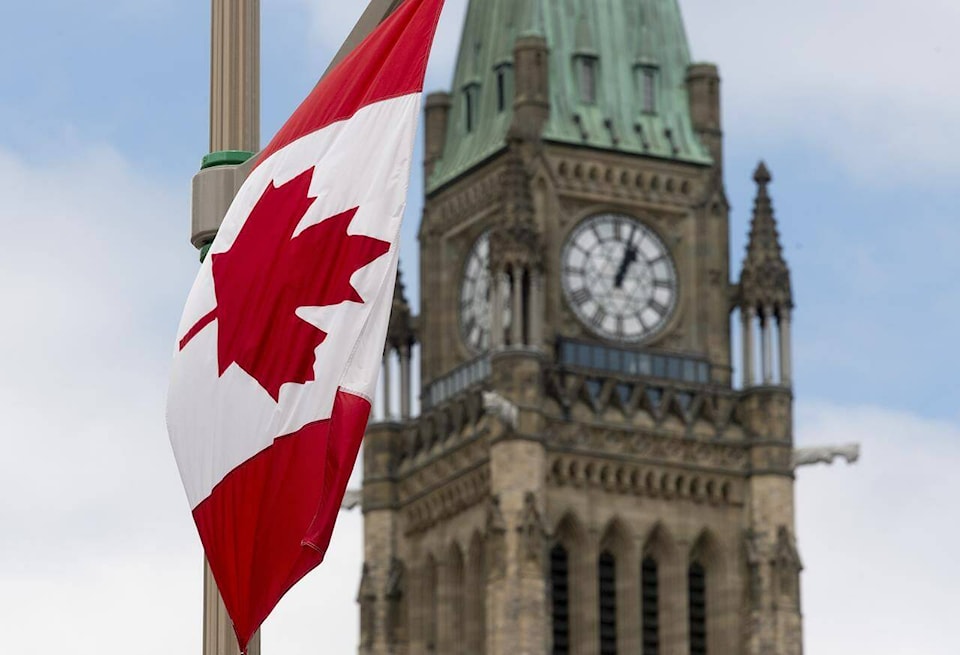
(471,101)
(504,85)
(648,78)
(586,68)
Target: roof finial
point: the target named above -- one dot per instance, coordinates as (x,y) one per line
(762,176)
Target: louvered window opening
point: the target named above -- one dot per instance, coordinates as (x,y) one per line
(607,574)
(560,599)
(503,86)
(470,97)
(697,591)
(649,81)
(650,598)
(587,79)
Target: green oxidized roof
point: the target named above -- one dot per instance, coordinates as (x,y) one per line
(625,36)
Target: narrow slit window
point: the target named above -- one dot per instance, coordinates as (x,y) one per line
(503,87)
(560,600)
(650,590)
(587,79)
(697,592)
(647,84)
(471,96)
(607,574)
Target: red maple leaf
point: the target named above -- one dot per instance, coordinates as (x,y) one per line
(269,273)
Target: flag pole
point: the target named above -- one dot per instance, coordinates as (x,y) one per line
(234,140)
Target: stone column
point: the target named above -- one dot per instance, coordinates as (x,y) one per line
(235,76)
(516,318)
(629,609)
(585,603)
(766,338)
(747,316)
(674,605)
(786,356)
(387,411)
(405,381)
(535,309)
(496,306)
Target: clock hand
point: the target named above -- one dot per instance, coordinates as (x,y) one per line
(629,257)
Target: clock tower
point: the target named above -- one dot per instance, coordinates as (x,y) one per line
(583,475)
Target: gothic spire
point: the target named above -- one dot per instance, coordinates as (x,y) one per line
(400,330)
(765,279)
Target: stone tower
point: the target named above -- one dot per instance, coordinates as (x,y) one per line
(583,476)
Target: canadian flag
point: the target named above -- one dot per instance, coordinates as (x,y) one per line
(280,343)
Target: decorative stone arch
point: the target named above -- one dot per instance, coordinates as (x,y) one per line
(659,544)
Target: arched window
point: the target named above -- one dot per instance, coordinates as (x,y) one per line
(607,577)
(586,69)
(650,598)
(697,594)
(560,599)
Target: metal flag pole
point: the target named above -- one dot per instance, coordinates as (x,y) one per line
(234,140)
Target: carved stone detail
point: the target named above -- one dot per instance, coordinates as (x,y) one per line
(729,456)
(532,532)
(657,481)
(496,541)
(826,455)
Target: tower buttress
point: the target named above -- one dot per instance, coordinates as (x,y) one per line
(766,299)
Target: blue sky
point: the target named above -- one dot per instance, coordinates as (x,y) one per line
(103,120)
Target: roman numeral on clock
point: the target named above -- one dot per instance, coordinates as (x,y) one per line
(580,296)
(658,308)
(598,317)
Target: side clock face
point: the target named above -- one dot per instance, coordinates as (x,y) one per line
(618,277)
(476,297)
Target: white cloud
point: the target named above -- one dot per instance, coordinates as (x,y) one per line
(866,80)
(878,539)
(97,532)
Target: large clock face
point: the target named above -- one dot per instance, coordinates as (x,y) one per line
(476,297)
(618,277)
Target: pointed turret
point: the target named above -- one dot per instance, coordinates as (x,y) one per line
(400,330)
(765,293)
(765,280)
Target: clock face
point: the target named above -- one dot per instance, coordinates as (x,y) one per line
(618,277)
(476,297)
